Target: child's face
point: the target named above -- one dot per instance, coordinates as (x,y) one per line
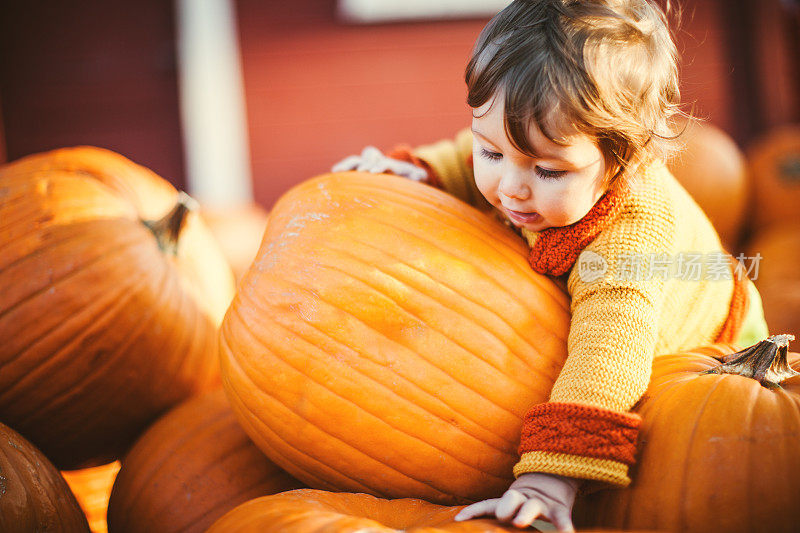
(556,188)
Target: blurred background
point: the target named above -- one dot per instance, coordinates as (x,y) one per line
(316,80)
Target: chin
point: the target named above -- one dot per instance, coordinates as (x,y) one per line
(535,226)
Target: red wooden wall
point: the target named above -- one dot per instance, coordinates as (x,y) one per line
(317,90)
(97,73)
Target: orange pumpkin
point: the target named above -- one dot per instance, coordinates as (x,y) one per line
(778,277)
(191,467)
(316,511)
(717,452)
(712,168)
(111,292)
(238,231)
(92,487)
(774,164)
(33,495)
(389,339)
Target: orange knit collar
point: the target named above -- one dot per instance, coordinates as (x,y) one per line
(555,250)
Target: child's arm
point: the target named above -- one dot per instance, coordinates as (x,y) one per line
(447,165)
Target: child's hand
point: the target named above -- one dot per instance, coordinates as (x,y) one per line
(530,496)
(372,160)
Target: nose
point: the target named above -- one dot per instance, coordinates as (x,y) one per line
(514,186)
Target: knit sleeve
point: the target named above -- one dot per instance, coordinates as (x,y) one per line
(585,430)
(449,166)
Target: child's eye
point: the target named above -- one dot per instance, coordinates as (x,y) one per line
(549,174)
(491,156)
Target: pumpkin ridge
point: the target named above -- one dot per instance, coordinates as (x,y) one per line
(403,199)
(755,397)
(191,333)
(404,347)
(466,297)
(541,281)
(366,488)
(247,423)
(144,481)
(468,229)
(311,379)
(69,238)
(116,248)
(537,278)
(116,396)
(234,496)
(116,302)
(649,411)
(454,341)
(405,379)
(683,526)
(23,350)
(197,440)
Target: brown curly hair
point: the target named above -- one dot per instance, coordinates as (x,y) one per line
(605,68)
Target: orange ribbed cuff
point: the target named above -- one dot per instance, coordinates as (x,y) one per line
(403,153)
(583,430)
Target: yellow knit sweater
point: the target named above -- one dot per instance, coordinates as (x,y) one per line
(635,291)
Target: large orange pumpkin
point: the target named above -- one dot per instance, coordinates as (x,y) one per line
(191,467)
(389,339)
(316,511)
(778,276)
(717,452)
(111,292)
(712,168)
(92,488)
(774,164)
(238,231)
(33,495)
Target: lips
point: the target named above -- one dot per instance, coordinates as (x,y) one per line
(520,217)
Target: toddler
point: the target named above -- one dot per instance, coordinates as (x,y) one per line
(573,106)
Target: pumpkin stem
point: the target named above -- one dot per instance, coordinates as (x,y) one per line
(168,228)
(765,361)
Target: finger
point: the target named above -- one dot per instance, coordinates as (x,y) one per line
(509,504)
(562,521)
(379,168)
(407,170)
(529,512)
(348,163)
(485,507)
(418,174)
(370,153)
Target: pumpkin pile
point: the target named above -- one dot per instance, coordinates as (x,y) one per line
(774,163)
(386,340)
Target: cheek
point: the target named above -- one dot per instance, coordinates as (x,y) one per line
(563,204)
(487,178)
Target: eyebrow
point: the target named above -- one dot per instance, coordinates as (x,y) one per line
(544,155)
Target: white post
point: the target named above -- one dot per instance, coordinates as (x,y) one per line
(212,104)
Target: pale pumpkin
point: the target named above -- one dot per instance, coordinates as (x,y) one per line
(717,452)
(316,511)
(191,467)
(33,495)
(774,164)
(778,275)
(238,230)
(111,292)
(713,169)
(389,339)
(92,488)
